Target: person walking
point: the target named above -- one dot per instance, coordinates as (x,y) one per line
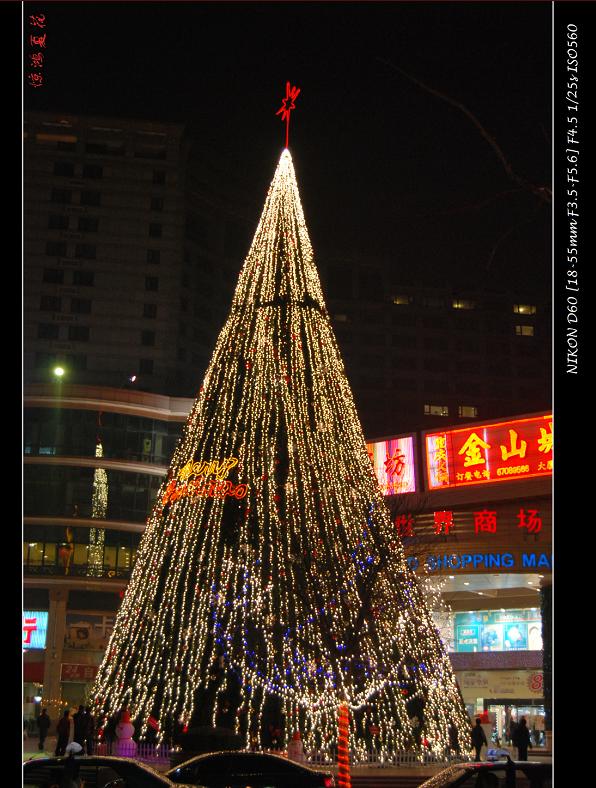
(453,739)
(79,726)
(522,740)
(63,731)
(43,723)
(478,738)
(89,730)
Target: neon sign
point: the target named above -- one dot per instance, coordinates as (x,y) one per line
(201,485)
(35,627)
(393,463)
(490,453)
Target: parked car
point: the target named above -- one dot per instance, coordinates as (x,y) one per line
(95,771)
(496,774)
(248,770)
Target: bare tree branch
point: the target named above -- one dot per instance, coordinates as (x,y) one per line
(543,193)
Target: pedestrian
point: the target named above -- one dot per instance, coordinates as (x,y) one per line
(478,738)
(89,730)
(79,721)
(522,740)
(453,739)
(43,723)
(63,731)
(70,775)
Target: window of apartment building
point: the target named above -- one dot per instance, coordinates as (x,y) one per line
(88,224)
(48,331)
(436,410)
(111,148)
(155,230)
(524,309)
(57,222)
(77,362)
(146,366)
(150,152)
(153,256)
(159,176)
(80,306)
(463,303)
(56,249)
(149,310)
(524,331)
(432,301)
(147,337)
(61,195)
(157,203)
(78,333)
(340,318)
(467,411)
(87,251)
(83,278)
(436,365)
(48,303)
(402,300)
(90,198)
(64,168)
(54,276)
(151,283)
(92,171)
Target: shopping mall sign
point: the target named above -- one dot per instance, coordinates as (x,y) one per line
(393,462)
(488,453)
(35,627)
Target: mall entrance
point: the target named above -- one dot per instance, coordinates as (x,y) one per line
(507,711)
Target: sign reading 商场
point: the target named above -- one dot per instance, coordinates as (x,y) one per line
(488,453)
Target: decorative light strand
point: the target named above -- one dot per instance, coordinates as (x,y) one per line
(299,590)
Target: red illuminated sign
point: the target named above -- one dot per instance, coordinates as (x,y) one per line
(519,449)
(287,105)
(80,673)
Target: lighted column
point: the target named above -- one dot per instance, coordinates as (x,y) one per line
(52,691)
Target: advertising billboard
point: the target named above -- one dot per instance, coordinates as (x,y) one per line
(35,627)
(393,462)
(491,630)
(488,453)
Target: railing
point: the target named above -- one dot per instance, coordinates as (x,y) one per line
(143,751)
(159,754)
(387,760)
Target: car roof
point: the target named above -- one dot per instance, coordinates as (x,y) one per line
(99,759)
(246,754)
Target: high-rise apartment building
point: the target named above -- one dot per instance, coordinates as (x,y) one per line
(126,253)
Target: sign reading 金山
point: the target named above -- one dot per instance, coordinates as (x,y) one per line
(35,627)
(477,454)
(393,462)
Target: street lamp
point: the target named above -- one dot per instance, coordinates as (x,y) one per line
(59,372)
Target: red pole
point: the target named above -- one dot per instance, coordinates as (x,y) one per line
(343,752)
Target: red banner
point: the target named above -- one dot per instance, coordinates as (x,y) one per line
(488,453)
(80,673)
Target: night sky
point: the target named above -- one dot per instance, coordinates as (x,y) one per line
(385,169)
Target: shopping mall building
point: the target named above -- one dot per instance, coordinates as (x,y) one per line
(471,502)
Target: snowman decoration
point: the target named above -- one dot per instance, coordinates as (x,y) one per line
(125,746)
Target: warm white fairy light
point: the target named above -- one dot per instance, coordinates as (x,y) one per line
(99,510)
(299,585)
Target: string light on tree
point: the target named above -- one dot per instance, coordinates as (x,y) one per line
(294,596)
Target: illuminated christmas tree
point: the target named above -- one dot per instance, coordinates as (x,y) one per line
(270,579)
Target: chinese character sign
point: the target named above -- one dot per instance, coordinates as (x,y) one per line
(393,462)
(35,627)
(517,449)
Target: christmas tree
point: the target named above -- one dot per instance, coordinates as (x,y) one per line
(270,586)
